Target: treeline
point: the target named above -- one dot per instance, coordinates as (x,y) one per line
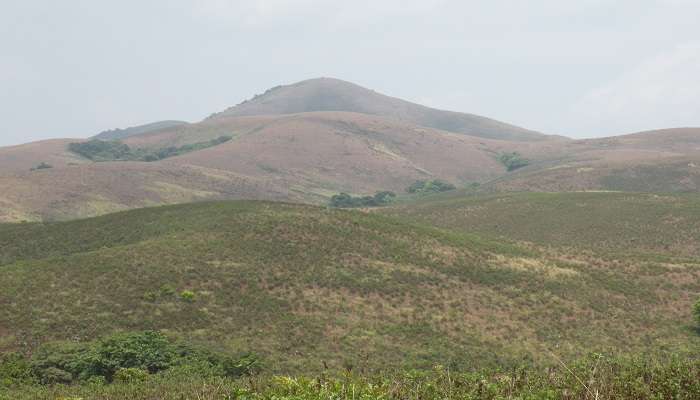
(112,150)
(432,186)
(344,200)
(120,357)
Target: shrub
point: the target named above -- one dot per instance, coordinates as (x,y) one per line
(101,150)
(42,165)
(123,357)
(344,200)
(130,375)
(432,186)
(188,296)
(148,350)
(61,362)
(14,370)
(167,290)
(513,161)
(696,312)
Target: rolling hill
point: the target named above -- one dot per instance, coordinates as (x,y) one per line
(656,161)
(308,141)
(303,286)
(622,224)
(301,157)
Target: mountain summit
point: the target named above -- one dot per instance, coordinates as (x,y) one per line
(328,94)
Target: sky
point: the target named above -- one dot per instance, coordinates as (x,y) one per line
(584,68)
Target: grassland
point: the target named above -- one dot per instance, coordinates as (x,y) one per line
(608,223)
(308,288)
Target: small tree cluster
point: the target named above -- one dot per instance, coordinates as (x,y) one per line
(513,161)
(42,165)
(432,186)
(344,200)
(113,150)
(122,357)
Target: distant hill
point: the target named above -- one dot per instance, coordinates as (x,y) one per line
(655,161)
(300,157)
(306,286)
(603,222)
(327,94)
(118,134)
(308,141)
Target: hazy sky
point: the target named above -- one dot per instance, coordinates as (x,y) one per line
(579,68)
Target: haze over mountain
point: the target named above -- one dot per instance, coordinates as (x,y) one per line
(308,141)
(328,94)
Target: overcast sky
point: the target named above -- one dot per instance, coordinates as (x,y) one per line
(579,68)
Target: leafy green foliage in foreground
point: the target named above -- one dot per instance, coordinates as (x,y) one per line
(101,150)
(344,200)
(594,378)
(119,357)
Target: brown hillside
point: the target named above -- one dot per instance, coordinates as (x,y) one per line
(655,161)
(349,151)
(27,156)
(100,188)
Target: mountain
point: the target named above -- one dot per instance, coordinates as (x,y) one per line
(304,157)
(327,94)
(304,286)
(291,144)
(118,134)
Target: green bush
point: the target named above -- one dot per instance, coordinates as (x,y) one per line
(344,200)
(696,312)
(432,186)
(42,165)
(188,296)
(14,370)
(62,362)
(101,150)
(125,357)
(513,161)
(130,375)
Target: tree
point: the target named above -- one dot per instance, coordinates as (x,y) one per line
(433,186)
(513,161)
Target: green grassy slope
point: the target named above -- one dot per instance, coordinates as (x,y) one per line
(302,285)
(605,222)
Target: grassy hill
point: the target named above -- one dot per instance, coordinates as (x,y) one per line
(305,286)
(604,222)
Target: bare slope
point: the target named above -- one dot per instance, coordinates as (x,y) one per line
(327,94)
(655,161)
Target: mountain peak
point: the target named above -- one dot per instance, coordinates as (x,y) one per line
(332,94)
